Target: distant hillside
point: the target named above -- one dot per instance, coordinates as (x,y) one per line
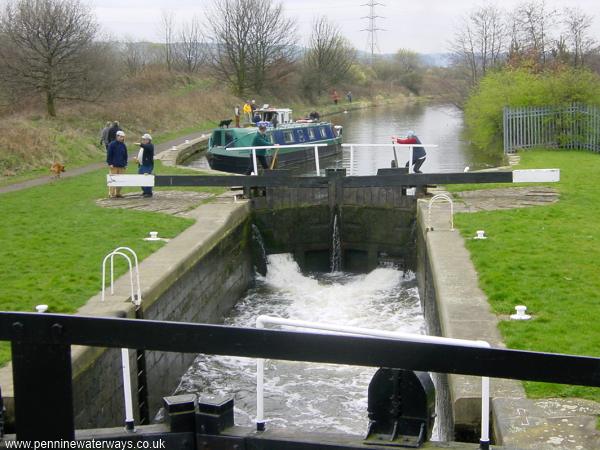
(428,59)
(436,59)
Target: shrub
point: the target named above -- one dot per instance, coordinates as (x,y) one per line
(519,87)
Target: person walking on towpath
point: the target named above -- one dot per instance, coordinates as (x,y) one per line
(104,135)
(145,160)
(260,140)
(419,155)
(116,158)
(335,97)
(112,132)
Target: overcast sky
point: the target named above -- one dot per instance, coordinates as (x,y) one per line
(424,26)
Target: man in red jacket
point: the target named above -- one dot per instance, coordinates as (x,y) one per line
(419,154)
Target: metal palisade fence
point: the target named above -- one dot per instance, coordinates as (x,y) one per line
(573,126)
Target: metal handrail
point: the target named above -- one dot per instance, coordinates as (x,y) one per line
(137,273)
(409,146)
(111,255)
(137,301)
(263,320)
(49,339)
(268,147)
(442,197)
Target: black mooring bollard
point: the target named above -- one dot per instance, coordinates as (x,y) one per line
(181,412)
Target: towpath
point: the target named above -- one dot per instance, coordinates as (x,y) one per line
(94,166)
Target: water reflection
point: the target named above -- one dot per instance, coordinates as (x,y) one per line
(434,124)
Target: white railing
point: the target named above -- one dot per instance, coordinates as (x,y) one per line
(441,197)
(393,146)
(278,147)
(136,299)
(261,321)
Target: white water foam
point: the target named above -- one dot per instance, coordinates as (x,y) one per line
(310,396)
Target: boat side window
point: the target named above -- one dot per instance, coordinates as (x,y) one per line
(301,137)
(229,137)
(216,138)
(288,137)
(323,132)
(277,137)
(311,134)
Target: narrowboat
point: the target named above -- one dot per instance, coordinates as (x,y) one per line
(223,155)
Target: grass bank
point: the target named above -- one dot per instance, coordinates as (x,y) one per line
(546,258)
(165,105)
(55,236)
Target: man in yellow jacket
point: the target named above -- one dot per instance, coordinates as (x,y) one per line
(248,110)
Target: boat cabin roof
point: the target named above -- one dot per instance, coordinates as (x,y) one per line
(267,108)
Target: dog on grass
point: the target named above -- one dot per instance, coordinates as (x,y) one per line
(225,123)
(56,168)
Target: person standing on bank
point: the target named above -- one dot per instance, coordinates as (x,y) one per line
(260,140)
(237,112)
(112,131)
(145,160)
(418,153)
(116,158)
(104,135)
(248,110)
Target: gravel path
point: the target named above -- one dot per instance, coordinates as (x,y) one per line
(94,166)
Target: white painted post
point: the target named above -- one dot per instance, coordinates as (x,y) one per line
(317,160)
(129,423)
(410,159)
(254,161)
(260,390)
(112,274)
(351,158)
(484,442)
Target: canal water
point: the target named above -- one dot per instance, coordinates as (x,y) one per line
(310,396)
(321,397)
(441,125)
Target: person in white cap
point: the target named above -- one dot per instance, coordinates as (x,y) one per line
(116,158)
(146,161)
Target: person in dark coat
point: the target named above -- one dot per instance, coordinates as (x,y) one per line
(146,161)
(260,140)
(112,132)
(116,158)
(419,153)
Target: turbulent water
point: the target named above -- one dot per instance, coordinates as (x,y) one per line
(310,396)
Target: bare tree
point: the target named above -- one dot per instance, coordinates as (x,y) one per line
(168,32)
(329,56)
(531,22)
(479,42)
(47,46)
(577,25)
(253,43)
(189,51)
(133,54)
(410,70)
